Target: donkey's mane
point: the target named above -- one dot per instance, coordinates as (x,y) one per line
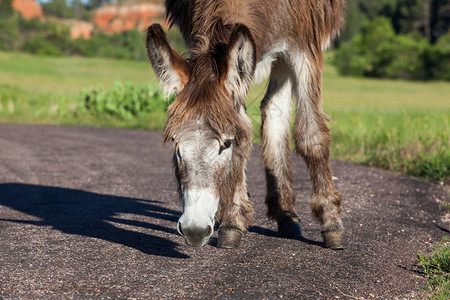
(204,95)
(208,101)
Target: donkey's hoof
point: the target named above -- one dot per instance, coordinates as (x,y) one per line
(229,238)
(334,240)
(289,226)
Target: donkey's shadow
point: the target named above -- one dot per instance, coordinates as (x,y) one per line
(90,214)
(271,233)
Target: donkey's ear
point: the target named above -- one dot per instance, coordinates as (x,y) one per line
(241,61)
(170,67)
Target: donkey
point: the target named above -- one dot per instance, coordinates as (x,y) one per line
(232,44)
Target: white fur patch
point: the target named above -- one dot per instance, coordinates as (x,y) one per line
(199,208)
(170,81)
(278,114)
(303,70)
(240,72)
(264,65)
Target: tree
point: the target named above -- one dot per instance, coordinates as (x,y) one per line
(61,8)
(439,19)
(429,18)
(359,12)
(58,8)
(6,9)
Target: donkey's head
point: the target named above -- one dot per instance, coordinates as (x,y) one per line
(207,123)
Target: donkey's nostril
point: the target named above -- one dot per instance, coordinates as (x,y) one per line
(179,228)
(209,231)
(194,231)
(194,235)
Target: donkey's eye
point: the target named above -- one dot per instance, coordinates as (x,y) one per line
(179,156)
(225,145)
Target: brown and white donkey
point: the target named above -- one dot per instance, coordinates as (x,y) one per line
(232,44)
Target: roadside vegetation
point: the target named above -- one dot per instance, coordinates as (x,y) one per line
(125,101)
(436,267)
(396,125)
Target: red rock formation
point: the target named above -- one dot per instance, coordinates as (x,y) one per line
(29,9)
(126,16)
(81,30)
(78,29)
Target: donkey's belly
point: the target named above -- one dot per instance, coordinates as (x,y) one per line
(264,65)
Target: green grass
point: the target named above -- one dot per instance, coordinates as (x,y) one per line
(67,75)
(396,125)
(47,90)
(402,126)
(437,268)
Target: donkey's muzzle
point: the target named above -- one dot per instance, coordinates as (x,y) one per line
(195,236)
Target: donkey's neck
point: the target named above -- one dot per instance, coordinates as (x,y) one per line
(214,20)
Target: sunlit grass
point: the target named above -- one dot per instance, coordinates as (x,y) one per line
(436,266)
(396,125)
(47,90)
(67,75)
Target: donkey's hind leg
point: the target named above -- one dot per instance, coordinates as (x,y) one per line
(312,140)
(276,110)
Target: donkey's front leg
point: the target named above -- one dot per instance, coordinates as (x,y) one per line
(275,140)
(236,216)
(312,140)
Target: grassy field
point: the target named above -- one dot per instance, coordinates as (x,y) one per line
(396,125)
(46,90)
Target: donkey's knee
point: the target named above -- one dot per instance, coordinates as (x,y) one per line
(312,138)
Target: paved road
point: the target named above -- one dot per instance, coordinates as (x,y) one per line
(90,212)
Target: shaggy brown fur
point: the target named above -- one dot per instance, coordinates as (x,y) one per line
(307,23)
(279,177)
(299,30)
(206,84)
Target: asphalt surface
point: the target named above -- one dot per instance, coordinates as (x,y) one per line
(91,212)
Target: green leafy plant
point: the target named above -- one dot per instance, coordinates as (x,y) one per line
(437,268)
(124,100)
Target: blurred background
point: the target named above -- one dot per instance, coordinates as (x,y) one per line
(386,78)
